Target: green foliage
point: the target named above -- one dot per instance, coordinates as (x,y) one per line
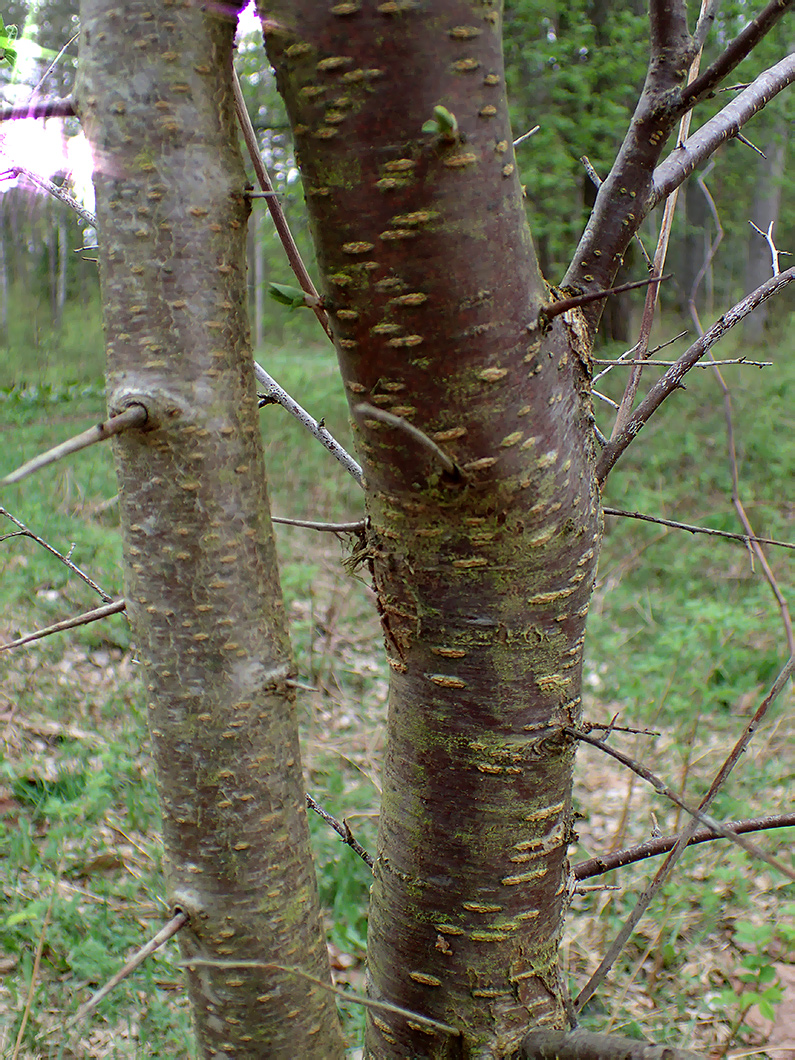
(8,51)
(443,124)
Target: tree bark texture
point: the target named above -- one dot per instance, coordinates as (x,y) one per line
(483,561)
(203,594)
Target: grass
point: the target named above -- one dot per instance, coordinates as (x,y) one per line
(684,638)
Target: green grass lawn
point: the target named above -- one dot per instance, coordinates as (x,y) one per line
(684,638)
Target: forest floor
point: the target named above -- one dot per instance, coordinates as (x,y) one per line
(685,639)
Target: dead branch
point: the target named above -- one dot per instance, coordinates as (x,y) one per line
(549,312)
(742,46)
(647,895)
(57,192)
(69,623)
(597,866)
(168,931)
(25,532)
(134,416)
(343,831)
(672,380)
(332,528)
(664,789)
(580,1044)
(275,207)
(276,395)
(684,159)
(691,529)
(591,1045)
(40,108)
(667,364)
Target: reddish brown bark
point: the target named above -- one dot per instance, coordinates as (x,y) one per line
(483,574)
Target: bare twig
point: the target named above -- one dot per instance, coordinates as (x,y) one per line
(41,108)
(401,424)
(166,932)
(134,416)
(744,140)
(673,377)
(24,532)
(15,170)
(691,529)
(526,136)
(275,207)
(648,893)
(343,831)
(279,396)
(742,45)
(662,788)
(684,159)
(70,623)
(667,364)
(774,251)
(346,995)
(586,870)
(660,253)
(548,312)
(631,353)
(333,528)
(55,62)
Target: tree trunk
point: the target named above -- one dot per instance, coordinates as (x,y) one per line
(766,207)
(202,587)
(483,559)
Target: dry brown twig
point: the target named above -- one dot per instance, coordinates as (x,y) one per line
(25,532)
(134,416)
(649,892)
(166,932)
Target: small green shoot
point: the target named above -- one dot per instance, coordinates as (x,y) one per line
(443,124)
(293,297)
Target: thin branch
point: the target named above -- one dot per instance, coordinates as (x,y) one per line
(648,893)
(333,528)
(684,159)
(672,380)
(346,995)
(631,353)
(57,192)
(134,416)
(275,207)
(662,788)
(276,395)
(343,831)
(742,46)
(775,253)
(41,108)
(705,22)
(401,424)
(667,364)
(168,931)
(744,140)
(526,136)
(742,538)
(25,532)
(586,870)
(70,623)
(549,312)
(55,62)
(660,254)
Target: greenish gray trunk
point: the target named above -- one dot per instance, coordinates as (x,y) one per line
(200,567)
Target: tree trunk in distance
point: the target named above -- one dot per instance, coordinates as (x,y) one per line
(202,588)
(483,567)
(766,207)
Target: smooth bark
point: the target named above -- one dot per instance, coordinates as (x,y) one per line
(202,589)
(483,573)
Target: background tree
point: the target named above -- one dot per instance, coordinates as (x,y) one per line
(470,394)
